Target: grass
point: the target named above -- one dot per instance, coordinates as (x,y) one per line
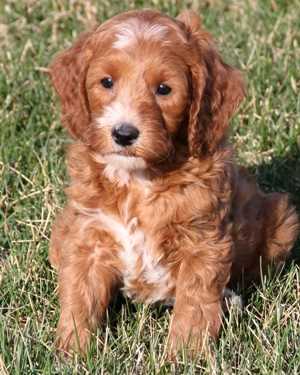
(262,38)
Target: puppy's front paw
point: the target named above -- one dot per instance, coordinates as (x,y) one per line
(191,342)
(231,300)
(72,338)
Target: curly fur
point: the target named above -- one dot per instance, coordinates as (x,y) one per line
(170,218)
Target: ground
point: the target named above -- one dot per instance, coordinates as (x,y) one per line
(260,37)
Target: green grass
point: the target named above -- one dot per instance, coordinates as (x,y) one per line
(263,39)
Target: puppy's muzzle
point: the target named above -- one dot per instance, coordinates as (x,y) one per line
(125,134)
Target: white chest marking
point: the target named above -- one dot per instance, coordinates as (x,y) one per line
(137,258)
(123,169)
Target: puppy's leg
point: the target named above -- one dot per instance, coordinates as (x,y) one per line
(62,229)
(265,229)
(88,277)
(198,305)
(282,228)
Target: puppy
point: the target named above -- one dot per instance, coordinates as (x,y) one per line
(156,206)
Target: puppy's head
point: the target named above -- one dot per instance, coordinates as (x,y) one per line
(142,82)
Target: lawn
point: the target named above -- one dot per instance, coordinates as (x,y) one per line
(262,38)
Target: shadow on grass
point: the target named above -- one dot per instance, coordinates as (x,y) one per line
(282,175)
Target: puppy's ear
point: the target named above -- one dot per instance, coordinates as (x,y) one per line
(217,88)
(67,72)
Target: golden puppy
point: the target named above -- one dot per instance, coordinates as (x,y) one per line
(156,205)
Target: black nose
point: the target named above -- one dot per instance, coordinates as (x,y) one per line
(125,134)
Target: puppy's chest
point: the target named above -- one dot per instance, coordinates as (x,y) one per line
(145,276)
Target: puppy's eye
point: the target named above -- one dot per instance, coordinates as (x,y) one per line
(107,82)
(163,89)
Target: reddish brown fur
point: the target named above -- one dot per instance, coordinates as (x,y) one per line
(193,221)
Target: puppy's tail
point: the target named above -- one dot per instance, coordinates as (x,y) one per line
(282,228)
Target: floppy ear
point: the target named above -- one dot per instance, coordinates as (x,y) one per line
(217,88)
(67,72)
